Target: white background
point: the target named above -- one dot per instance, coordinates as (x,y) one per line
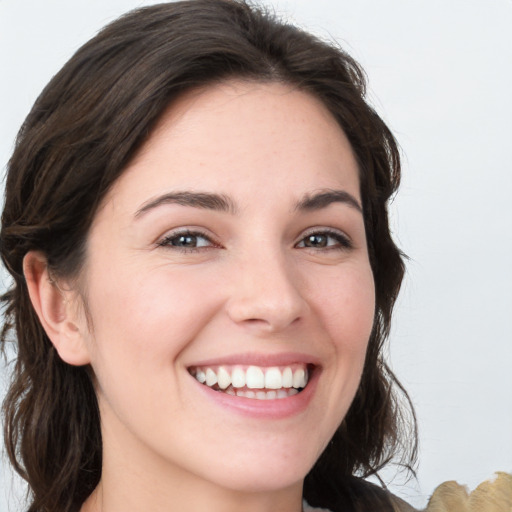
(441,76)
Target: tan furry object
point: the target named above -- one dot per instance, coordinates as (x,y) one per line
(489,496)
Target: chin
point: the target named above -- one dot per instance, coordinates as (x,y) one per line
(261,480)
(257,473)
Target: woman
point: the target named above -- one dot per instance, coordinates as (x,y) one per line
(196,226)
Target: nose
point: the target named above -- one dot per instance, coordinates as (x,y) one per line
(266,295)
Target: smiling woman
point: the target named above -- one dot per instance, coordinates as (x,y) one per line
(196,226)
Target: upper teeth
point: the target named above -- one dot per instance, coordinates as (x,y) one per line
(253,377)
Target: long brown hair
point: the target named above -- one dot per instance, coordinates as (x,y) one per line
(83,130)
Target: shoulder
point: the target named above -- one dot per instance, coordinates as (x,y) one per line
(358,495)
(400,505)
(389,501)
(396,504)
(307,508)
(379,495)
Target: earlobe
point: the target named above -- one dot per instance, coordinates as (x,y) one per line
(57,310)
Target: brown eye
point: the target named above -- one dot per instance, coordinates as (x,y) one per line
(325,240)
(187,240)
(316,241)
(184,241)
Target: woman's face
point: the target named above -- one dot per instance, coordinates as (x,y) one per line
(232,249)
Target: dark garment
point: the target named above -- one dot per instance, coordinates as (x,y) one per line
(358,495)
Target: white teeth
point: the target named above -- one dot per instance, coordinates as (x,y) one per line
(264,395)
(273,379)
(238,378)
(211,377)
(254,377)
(299,378)
(223,377)
(287,378)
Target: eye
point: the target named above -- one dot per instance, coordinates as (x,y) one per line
(186,240)
(325,239)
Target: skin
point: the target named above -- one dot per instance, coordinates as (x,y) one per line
(254,286)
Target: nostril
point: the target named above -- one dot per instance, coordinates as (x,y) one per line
(255,321)
(269,325)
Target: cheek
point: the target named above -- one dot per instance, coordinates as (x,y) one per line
(346,306)
(146,318)
(143,321)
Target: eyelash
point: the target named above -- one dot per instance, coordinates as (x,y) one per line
(343,243)
(168,241)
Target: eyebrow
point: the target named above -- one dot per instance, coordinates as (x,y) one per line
(203,200)
(324,198)
(223,203)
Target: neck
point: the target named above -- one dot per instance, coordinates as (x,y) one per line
(136,480)
(107,499)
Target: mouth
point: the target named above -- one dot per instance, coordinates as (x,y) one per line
(255,382)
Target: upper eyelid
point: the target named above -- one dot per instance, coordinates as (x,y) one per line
(343,241)
(197,231)
(324,230)
(193,231)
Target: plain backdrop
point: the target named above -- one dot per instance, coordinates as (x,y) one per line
(440,74)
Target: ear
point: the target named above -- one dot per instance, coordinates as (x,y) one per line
(58,311)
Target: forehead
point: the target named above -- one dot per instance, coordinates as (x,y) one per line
(243,137)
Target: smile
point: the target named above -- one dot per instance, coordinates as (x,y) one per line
(256,382)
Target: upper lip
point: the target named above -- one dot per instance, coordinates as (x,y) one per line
(257,359)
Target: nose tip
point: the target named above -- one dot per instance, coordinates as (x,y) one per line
(266,315)
(267,300)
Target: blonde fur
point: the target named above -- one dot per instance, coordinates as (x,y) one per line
(489,496)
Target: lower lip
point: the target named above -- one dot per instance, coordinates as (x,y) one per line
(265,409)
